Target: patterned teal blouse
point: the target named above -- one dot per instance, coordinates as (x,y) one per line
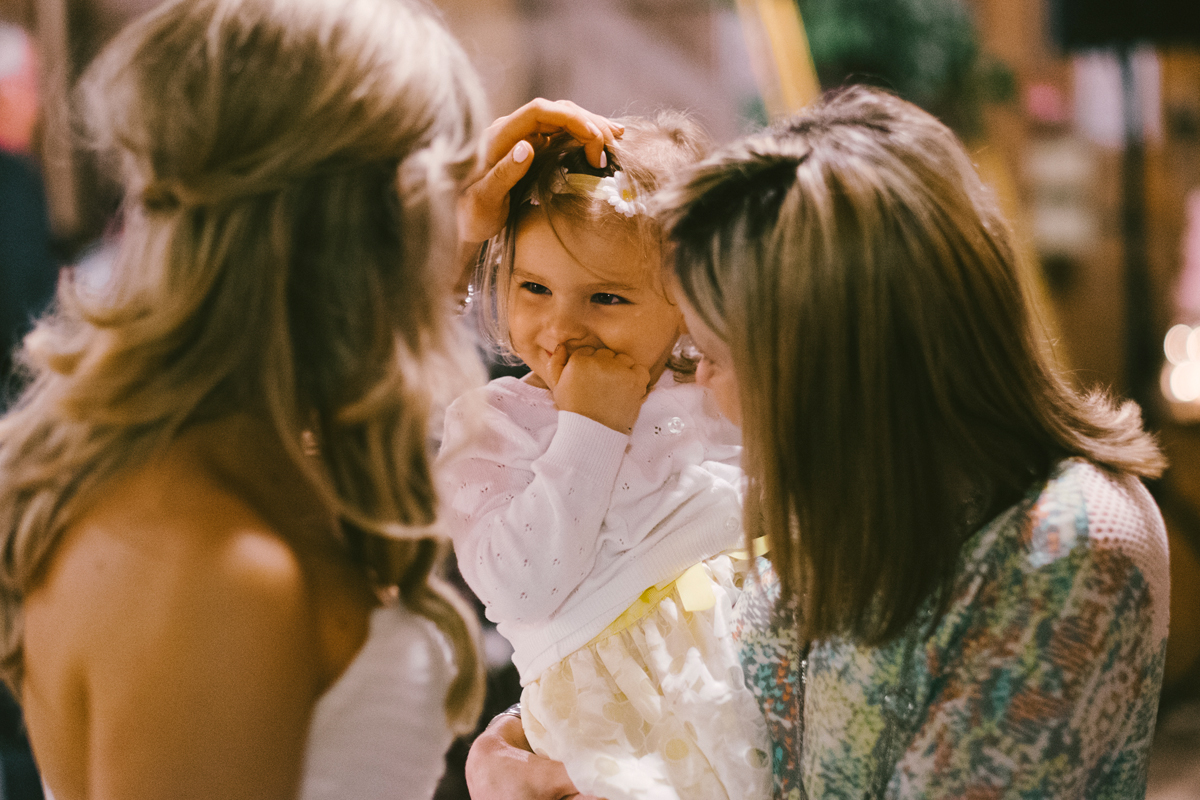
(1041,681)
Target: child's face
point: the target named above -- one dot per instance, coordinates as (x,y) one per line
(603,292)
(715,371)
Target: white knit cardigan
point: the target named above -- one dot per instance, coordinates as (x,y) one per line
(559,522)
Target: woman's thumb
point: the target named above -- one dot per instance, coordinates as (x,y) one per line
(483,207)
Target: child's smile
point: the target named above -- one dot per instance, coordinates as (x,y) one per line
(604,292)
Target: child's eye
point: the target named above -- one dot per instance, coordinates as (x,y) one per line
(535,288)
(606,299)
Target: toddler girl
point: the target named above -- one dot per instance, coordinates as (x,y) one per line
(595,503)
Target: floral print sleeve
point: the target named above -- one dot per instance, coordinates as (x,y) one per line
(1045,682)
(1041,680)
(773,665)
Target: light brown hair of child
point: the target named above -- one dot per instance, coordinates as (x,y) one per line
(649,154)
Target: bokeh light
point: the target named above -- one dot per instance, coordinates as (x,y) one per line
(1175,345)
(1181,373)
(1185,381)
(1193,345)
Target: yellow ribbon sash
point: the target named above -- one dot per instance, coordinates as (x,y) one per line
(695,591)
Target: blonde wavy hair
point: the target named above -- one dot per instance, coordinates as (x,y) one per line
(290,170)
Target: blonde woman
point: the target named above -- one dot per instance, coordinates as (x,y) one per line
(216,502)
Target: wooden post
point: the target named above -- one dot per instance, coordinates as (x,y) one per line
(58,150)
(779,54)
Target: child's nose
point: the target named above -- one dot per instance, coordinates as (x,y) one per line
(564,327)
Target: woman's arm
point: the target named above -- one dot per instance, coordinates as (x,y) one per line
(1050,687)
(502,766)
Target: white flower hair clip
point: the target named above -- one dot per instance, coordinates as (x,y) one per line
(616,189)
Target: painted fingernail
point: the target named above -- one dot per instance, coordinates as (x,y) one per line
(522,151)
(603,159)
(593,130)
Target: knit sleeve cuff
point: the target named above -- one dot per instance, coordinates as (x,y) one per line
(586,447)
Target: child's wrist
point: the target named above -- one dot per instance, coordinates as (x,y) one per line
(609,411)
(611,421)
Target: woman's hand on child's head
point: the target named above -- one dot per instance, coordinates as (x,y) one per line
(600,384)
(508,144)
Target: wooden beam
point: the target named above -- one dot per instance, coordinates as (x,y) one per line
(58,146)
(779,54)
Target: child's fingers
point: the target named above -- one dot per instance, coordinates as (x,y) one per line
(605,354)
(623,359)
(558,362)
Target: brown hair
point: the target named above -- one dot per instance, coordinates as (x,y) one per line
(893,388)
(290,172)
(649,154)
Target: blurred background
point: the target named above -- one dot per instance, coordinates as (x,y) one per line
(1084,115)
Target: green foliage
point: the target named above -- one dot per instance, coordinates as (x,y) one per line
(926,51)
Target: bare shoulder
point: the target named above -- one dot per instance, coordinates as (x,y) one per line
(170,530)
(171,597)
